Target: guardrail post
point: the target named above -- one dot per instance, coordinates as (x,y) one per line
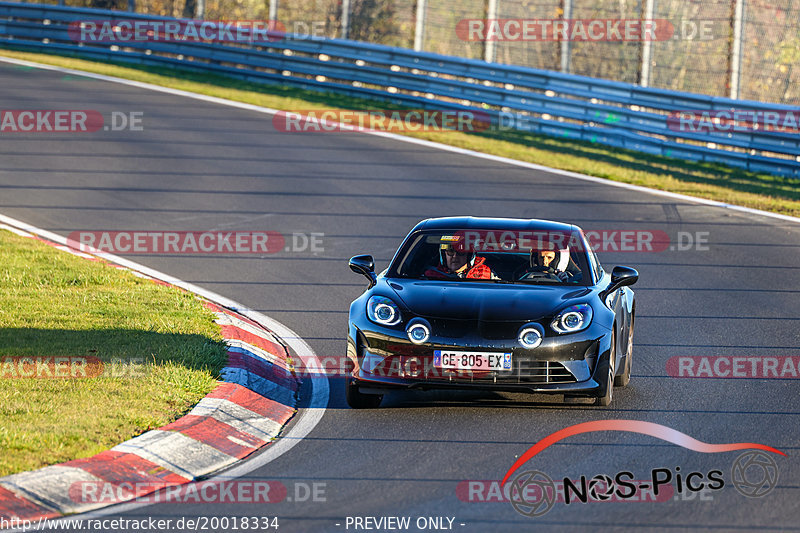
(647,46)
(273,9)
(566,10)
(345,18)
(490,46)
(736,48)
(419,29)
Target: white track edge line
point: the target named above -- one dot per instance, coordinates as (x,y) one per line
(403,138)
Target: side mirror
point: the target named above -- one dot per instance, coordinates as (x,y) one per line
(364,265)
(620,277)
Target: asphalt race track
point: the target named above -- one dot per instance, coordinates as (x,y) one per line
(202,166)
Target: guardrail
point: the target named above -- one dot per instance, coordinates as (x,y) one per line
(545,102)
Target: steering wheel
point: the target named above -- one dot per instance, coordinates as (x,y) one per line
(541,273)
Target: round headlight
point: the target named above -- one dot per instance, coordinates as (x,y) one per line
(530,338)
(383,311)
(418,333)
(572,319)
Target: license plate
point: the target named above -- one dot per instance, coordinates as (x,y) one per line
(472,360)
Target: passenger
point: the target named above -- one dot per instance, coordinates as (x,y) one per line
(455,262)
(555,262)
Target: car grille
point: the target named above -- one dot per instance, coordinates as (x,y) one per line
(524,372)
(544,372)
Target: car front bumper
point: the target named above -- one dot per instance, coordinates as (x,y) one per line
(384,359)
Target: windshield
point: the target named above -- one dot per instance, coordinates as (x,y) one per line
(525,257)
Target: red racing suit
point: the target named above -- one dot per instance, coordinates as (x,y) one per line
(477,271)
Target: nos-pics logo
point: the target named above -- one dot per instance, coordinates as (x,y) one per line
(533,493)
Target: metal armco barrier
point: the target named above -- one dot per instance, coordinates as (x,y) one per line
(544,102)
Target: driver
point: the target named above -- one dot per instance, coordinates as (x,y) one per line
(552,261)
(456,262)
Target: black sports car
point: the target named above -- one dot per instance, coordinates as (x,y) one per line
(490,303)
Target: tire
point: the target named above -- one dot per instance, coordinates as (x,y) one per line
(607,368)
(357,400)
(623,379)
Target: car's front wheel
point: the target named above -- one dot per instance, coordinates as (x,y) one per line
(623,379)
(358,400)
(607,369)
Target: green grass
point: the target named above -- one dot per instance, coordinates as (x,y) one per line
(160,350)
(716,182)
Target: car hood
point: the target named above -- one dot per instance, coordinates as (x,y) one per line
(490,302)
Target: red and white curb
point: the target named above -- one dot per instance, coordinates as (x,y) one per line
(243,414)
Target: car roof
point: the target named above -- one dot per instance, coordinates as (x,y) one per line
(488,223)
